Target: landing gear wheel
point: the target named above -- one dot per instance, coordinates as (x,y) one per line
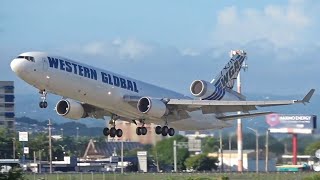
(138,131)
(41,104)
(158,130)
(45,104)
(171,131)
(106,131)
(119,132)
(164,130)
(144,130)
(113,132)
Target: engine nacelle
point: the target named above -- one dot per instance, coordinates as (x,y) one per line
(206,90)
(70,109)
(152,107)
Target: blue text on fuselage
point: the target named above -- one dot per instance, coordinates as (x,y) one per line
(90,73)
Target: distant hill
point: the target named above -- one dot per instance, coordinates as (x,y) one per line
(68,129)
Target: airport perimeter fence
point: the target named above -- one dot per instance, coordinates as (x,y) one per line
(174,176)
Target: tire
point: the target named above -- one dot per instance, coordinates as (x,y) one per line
(113,132)
(45,104)
(144,130)
(41,104)
(106,131)
(119,132)
(138,131)
(171,131)
(165,131)
(158,130)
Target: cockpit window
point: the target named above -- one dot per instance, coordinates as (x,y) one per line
(29,58)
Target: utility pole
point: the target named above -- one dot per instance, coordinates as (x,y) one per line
(267,150)
(122,157)
(175,155)
(221,151)
(50,146)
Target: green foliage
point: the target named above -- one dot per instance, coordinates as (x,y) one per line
(163,152)
(313,177)
(312,148)
(6,144)
(209,144)
(13,174)
(201,162)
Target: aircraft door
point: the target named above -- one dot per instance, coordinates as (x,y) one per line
(44,64)
(45,72)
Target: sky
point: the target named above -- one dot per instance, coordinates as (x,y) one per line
(171,43)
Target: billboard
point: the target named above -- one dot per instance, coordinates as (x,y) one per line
(23,136)
(290,123)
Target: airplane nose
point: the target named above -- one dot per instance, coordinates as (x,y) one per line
(16,65)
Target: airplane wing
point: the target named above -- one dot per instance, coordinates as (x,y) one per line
(213,106)
(248,115)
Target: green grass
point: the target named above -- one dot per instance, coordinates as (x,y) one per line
(169,176)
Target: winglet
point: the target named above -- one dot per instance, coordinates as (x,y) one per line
(307,98)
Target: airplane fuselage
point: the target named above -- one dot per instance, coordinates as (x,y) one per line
(103,89)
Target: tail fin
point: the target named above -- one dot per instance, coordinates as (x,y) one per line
(229,73)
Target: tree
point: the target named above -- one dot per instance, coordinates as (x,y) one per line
(201,162)
(163,152)
(6,144)
(312,148)
(209,144)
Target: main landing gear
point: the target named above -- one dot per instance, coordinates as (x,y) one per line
(113,132)
(43,103)
(165,130)
(141,130)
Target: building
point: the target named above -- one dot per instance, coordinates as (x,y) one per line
(129,133)
(101,150)
(230,160)
(7,116)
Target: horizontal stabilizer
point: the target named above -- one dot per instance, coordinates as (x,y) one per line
(236,116)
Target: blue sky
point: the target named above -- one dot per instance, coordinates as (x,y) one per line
(171,43)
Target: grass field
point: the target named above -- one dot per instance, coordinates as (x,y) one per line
(170,176)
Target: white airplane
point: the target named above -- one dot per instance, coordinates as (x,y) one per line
(92,92)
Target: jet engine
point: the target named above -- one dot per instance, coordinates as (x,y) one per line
(70,109)
(152,107)
(204,89)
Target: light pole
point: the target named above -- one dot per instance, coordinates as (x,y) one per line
(230,136)
(62,147)
(77,133)
(257,148)
(175,145)
(50,146)
(61,132)
(267,150)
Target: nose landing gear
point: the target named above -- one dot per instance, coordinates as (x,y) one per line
(43,103)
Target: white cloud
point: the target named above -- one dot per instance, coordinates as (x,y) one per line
(282,25)
(133,49)
(124,49)
(189,52)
